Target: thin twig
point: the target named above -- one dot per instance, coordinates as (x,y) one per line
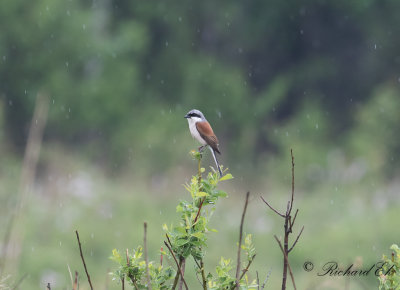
(295,242)
(291,203)
(266,279)
(177,263)
(247,267)
(83,260)
(287,260)
(240,239)
(19,281)
(75,284)
(294,219)
(70,275)
(183,265)
(278,213)
(176,278)
(203,275)
(180,264)
(145,256)
(161,256)
(258,281)
(198,212)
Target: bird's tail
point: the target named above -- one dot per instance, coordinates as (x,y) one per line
(216,161)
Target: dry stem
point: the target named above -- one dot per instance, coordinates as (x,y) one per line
(83,260)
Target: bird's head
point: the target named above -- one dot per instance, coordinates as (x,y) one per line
(195,116)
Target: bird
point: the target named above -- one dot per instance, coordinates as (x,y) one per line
(202,132)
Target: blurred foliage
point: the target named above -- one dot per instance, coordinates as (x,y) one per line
(120,75)
(389,277)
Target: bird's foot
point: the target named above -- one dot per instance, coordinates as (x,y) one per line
(201,148)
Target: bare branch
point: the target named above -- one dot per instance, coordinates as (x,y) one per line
(83,260)
(177,263)
(198,212)
(145,256)
(203,275)
(291,203)
(75,285)
(240,240)
(295,242)
(287,260)
(247,267)
(294,219)
(278,213)
(266,279)
(183,265)
(161,256)
(258,281)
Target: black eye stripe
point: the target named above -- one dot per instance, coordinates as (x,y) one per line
(194,115)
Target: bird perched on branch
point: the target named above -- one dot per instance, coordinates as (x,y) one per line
(202,132)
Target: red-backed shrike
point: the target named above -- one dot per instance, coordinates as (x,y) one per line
(202,132)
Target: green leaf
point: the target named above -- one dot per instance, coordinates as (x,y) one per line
(202,193)
(226,177)
(181,242)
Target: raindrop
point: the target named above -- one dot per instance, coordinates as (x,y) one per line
(84,26)
(60,243)
(4,58)
(316,126)
(47,8)
(25,92)
(373,248)
(91,252)
(301,31)
(162,82)
(336,189)
(287,134)
(60,205)
(331,201)
(66,63)
(68,13)
(180,19)
(375,46)
(53,101)
(92,235)
(33,249)
(166,43)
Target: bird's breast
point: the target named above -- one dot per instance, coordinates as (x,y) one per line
(195,133)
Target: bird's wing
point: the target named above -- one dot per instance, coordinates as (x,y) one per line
(207,133)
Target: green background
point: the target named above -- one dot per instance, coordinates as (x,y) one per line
(320,77)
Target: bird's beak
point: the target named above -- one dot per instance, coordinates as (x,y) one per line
(187,116)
